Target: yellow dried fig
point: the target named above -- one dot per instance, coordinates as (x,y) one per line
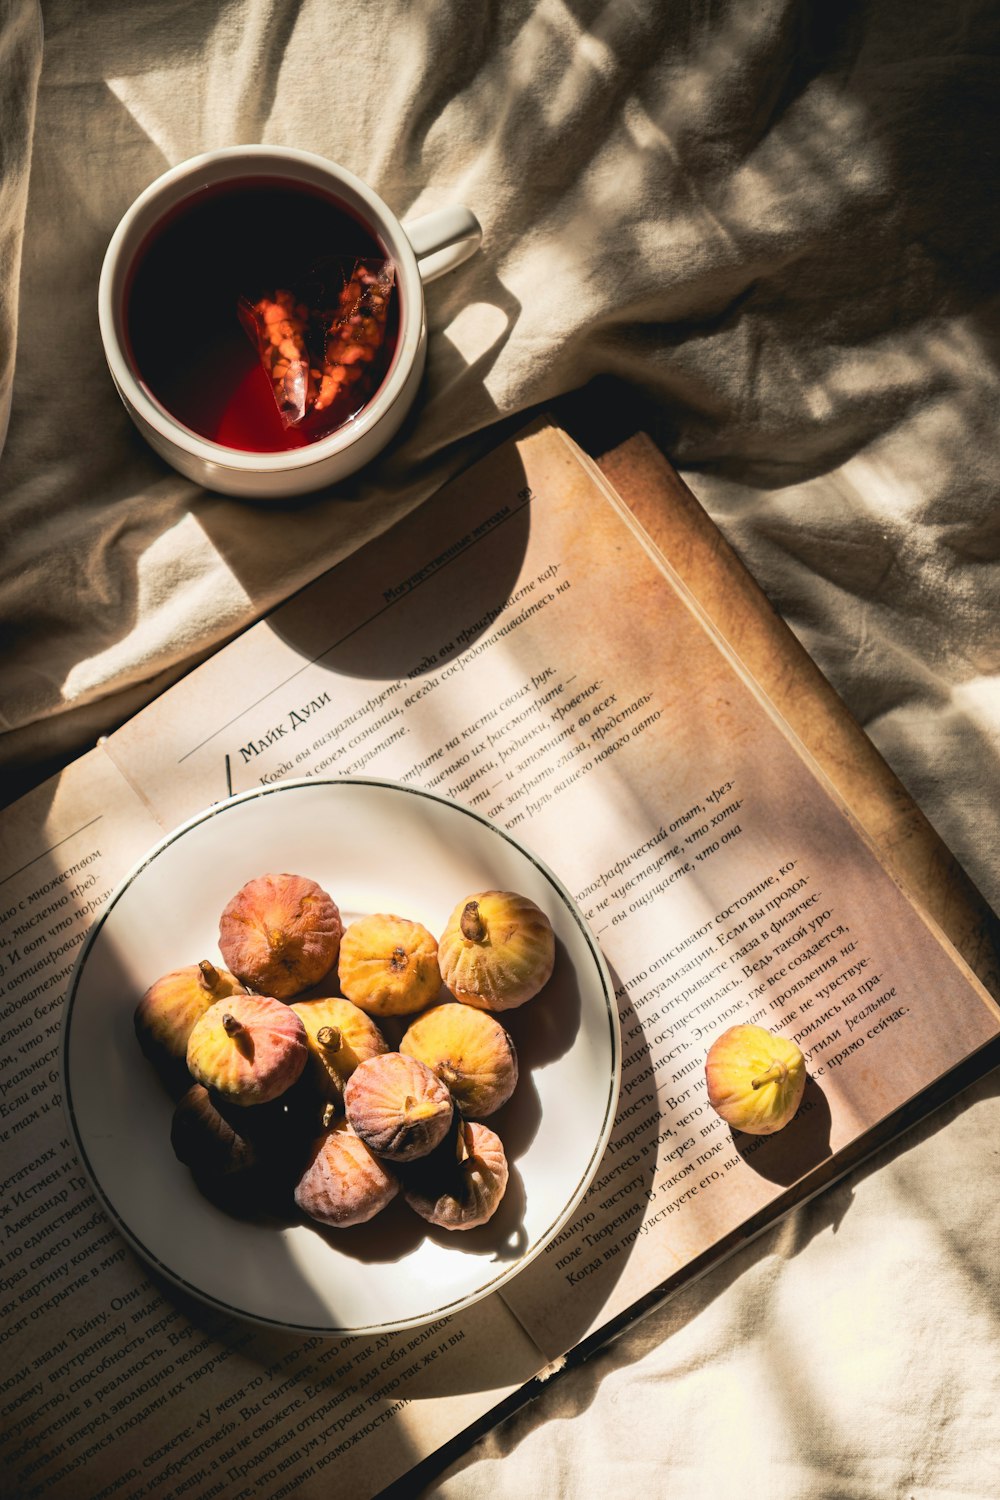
(497,950)
(339,1036)
(249,1048)
(460,1185)
(755,1079)
(344,1183)
(399,1108)
(470,1052)
(388,965)
(280,934)
(168,1010)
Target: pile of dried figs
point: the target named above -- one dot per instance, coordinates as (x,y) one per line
(334,1068)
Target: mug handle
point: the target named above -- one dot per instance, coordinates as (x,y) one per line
(443,239)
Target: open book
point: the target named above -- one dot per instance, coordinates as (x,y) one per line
(574,651)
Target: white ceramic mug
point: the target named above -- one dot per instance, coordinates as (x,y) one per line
(421,250)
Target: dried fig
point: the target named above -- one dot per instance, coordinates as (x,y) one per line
(170,1007)
(243,1160)
(206,1135)
(340,1036)
(249,1048)
(399,1108)
(755,1079)
(460,1185)
(389,966)
(470,1052)
(344,1183)
(497,950)
(280,934)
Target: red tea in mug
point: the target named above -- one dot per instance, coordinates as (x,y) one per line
(234,247)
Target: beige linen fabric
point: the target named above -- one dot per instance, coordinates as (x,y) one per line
(772,224)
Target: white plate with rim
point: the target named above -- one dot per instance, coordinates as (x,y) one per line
(374,845)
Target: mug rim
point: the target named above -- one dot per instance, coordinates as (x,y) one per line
(175,185)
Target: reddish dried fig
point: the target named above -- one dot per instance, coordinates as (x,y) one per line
(243,1160)
(344,1183)
(340,1036)
(497,950)
(206,1135)
(168,1010)
(470,1052)
(460,1185)
(249,1048)
(399,1108)
(280,934)
(388,965)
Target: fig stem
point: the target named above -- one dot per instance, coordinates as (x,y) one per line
(209,974)
(427,1109)
(471,922)
(330,1038)
(776,1073)
(239,1034)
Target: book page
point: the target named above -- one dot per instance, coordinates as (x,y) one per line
(514,646)
(661,503)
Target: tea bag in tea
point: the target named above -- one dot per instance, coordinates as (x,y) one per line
(279,326)
(355,332)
